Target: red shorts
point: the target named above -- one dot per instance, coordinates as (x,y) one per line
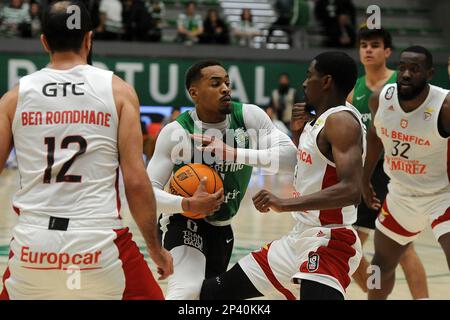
(321,254)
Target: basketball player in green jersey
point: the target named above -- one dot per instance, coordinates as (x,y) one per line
(375,47)
(242,136)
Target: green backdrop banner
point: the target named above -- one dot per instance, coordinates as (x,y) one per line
(161,82)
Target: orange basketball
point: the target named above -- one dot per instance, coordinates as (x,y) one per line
(186,180)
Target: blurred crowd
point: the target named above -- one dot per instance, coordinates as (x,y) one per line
(144,20)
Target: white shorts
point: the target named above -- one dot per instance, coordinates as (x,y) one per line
(78,263)
(321,254)
(403,217)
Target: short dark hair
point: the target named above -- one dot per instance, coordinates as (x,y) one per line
(191,2)
(341,67)
(422,50)
(365,33)
(194,73)
(54,26)
(175,109)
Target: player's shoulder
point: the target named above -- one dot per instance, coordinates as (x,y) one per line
(8,102)
(247,105)
(11,95)
(121,85)
(252,113)
(172,128)
(123,91)
(250,108)
(344,117)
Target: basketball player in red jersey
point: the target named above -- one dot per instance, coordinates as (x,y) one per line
(70,123)
(411,123)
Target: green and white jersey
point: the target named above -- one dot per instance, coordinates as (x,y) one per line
(235,177)
(361,95)
(248,129)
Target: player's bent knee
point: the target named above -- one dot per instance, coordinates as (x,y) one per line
(189,271)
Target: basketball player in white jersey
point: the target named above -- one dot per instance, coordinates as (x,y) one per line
(323,249)
(69,123)
(412,125)
(201,248)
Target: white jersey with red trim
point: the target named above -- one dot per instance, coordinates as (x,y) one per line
(417,157)
(314,172)
(65,135)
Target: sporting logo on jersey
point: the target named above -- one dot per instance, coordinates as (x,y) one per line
(427,114)
(191,225)
(53,89)
(320,234)
(304,156)
(404,123)
(313,262)
(192,239)
(389,93)
(318,123)
(241,137)
(232,195)
(38,260)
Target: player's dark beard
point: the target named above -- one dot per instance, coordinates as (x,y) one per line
(225,110)
(413,92)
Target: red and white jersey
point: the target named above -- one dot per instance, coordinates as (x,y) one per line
(417,157)
(314,172)
(65,135)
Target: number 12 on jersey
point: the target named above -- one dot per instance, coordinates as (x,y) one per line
(62,176)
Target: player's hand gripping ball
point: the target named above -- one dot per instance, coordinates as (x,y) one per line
(186,180)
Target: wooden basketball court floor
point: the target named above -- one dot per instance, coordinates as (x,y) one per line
(252,230)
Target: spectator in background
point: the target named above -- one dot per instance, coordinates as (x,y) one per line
(284,9)
(299,20)
(110,20)
(215,30)
(190,25)
(15,19)
(344,35)
(35,19)
(327,13)
(157,11)
(172,117)
(283,99)
(277,123)
(136,20)
(245,31)
(93,6)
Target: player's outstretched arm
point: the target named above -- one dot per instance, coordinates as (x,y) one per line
(269,148)
(374,150)
(138,189)
(8,104)
(344,134)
